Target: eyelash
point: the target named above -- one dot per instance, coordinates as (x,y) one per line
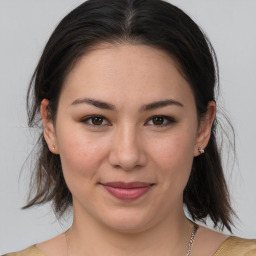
(167,120)
(88,119)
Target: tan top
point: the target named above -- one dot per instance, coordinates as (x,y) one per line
(233,246)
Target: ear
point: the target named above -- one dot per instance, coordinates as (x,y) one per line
(49,129)
(204,129)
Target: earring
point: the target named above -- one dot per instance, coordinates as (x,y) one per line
(53,147)
(201,151)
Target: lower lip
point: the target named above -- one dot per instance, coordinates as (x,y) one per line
(127,193)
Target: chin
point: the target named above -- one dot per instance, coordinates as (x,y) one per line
(128,222)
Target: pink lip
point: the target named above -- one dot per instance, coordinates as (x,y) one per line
(127,191)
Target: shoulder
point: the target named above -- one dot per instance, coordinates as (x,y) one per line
(236,246)
(55,246)
(30,251)
(210,242)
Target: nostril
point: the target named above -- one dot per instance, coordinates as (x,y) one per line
(126,152)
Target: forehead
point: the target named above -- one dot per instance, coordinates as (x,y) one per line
(140,72)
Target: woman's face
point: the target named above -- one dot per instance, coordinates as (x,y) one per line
(127,132)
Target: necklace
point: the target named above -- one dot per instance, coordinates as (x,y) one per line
(191,240)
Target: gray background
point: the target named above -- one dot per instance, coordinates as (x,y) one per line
(24,28)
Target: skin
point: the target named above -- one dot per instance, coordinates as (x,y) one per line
(127,143)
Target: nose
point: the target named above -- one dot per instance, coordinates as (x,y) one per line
(127,149)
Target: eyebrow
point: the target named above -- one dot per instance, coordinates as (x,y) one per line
(109,106)
(160,104)
(96,103)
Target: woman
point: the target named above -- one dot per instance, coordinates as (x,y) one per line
(126,93)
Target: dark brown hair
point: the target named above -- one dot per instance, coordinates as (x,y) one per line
(148,22)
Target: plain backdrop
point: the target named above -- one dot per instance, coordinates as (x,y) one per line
(25,27)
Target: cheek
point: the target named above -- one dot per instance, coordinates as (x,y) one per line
(174,156)
(80,154)
(176,148)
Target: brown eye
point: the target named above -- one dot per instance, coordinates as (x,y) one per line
(97,120)
(158,120)
(161,121)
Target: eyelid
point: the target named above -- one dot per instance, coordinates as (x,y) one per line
(169,119)
(87,118)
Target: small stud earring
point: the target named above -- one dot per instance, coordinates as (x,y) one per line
(201,151)
(53,147)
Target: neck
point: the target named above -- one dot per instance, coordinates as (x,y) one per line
(170,237)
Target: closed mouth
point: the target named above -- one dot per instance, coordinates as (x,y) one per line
(127,191)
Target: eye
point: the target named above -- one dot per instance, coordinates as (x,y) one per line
(160,120)
(95,120)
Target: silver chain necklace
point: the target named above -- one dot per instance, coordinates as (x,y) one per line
(191,240)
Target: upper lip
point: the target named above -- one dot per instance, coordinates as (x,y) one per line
(120,184)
